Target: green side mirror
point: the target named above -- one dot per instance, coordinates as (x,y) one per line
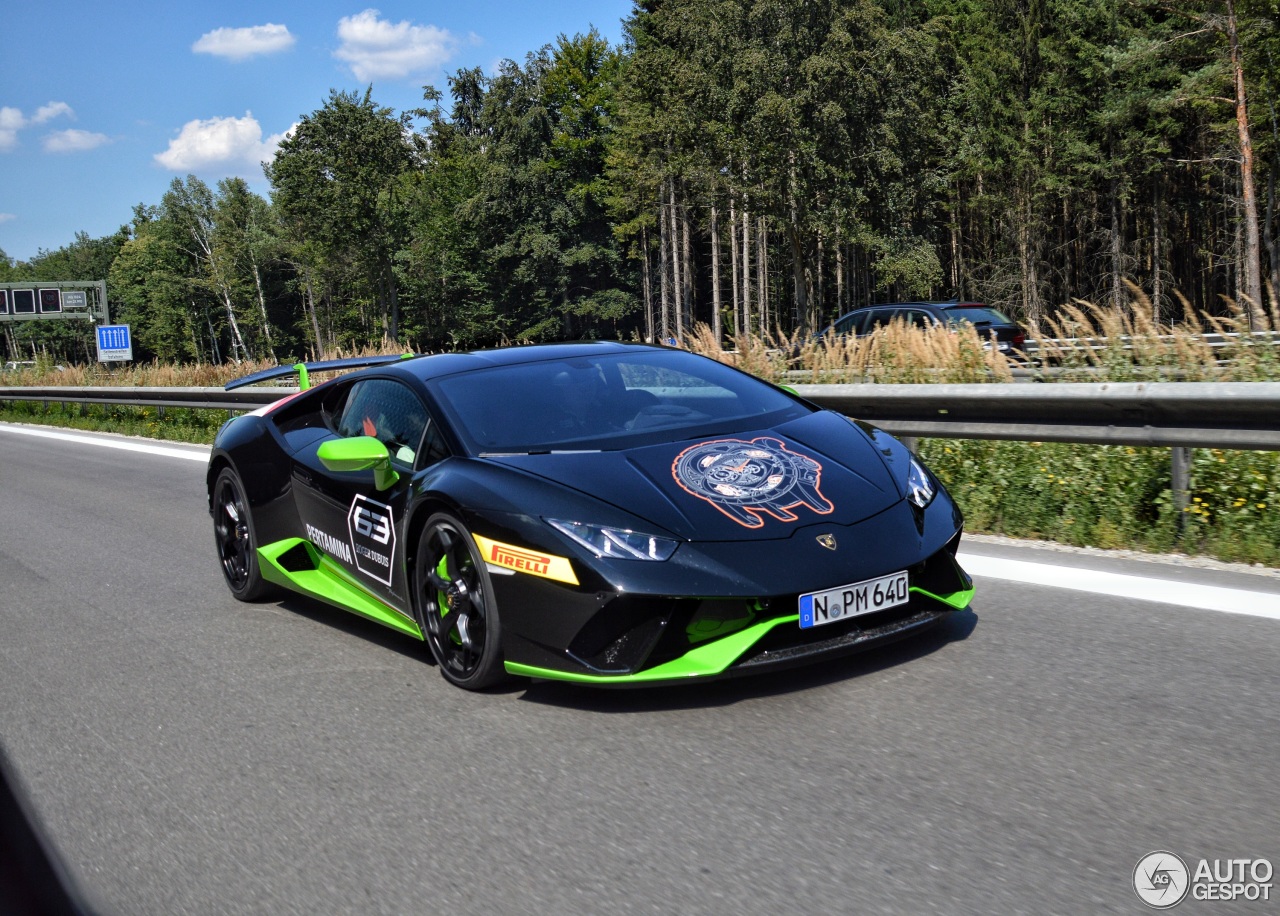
(359,453)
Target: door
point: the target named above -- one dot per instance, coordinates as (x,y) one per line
(346,516)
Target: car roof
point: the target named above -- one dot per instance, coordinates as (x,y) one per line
(441,364)
(951,304)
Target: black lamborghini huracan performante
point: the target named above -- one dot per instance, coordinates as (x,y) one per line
(600,513)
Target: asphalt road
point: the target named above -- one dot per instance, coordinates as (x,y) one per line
(190,754)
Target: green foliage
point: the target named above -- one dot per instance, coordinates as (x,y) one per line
(177,424)
(1115,496)
(1233,514)
(534,138)
(335,182)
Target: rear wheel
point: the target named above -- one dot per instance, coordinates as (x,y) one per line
(233,534)
(456,607)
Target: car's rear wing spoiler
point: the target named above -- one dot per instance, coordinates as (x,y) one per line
(303,370)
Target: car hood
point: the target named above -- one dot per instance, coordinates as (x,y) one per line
(760,485)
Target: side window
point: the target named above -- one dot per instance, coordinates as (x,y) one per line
(916,318)
(846,324)
(433,447)
(878,318)
(388,411)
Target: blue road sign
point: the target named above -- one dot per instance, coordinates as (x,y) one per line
(114,343)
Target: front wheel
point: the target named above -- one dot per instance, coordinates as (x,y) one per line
(234,536)
(456,606)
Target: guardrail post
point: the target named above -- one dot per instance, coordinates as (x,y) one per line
(1181,475)
(911,442)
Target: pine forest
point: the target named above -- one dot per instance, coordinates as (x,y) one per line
(735,167)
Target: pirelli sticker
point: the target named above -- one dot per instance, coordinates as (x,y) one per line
(526,561)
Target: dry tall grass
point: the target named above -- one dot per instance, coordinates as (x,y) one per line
(894,353)
(1088,342)
(1085,342)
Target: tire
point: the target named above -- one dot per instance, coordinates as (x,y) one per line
(235,539)
(456,606)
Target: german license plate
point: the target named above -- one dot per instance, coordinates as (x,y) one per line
(845,601)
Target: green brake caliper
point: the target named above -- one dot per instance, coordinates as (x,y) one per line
(442,599)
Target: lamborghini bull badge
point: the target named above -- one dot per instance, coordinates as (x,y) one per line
(745,478)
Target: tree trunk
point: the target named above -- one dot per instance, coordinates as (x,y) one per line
(393,296)
(677,281)
(733,256)
(664,273)
(1252,247)
(686,269)
(762,275)
(953,234)
(1273,245)
(236,339)
(262,306)
(811,322)
(746,267)
(1026,258)
(647,284)
(801,292)
(213,340)
(840,309)
(1157,258)
(716,330)
(311,312)
(1117,269)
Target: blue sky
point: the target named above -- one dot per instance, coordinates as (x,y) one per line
(102,106)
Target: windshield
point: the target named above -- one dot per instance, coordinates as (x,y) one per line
(607,402)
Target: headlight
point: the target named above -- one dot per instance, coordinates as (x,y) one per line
(616,542)
(920,489)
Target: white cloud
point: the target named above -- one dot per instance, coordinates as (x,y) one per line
(375,47)
(13,120)
(52,110)
(219,143)
(241,44)
(73,141)
(5,217)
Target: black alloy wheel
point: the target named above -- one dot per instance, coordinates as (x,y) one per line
(233,534)
(455,603)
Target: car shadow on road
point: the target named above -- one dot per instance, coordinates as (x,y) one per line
(353,625)
(728,691)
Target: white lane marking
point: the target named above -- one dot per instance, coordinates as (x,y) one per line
(1165,591)
(122,444)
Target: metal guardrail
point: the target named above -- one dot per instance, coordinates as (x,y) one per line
(1213,340)
(1235,415)
(121,396)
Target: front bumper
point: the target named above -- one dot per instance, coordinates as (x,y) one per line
(649,640)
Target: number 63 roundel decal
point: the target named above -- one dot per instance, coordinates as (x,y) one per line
(373,537)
